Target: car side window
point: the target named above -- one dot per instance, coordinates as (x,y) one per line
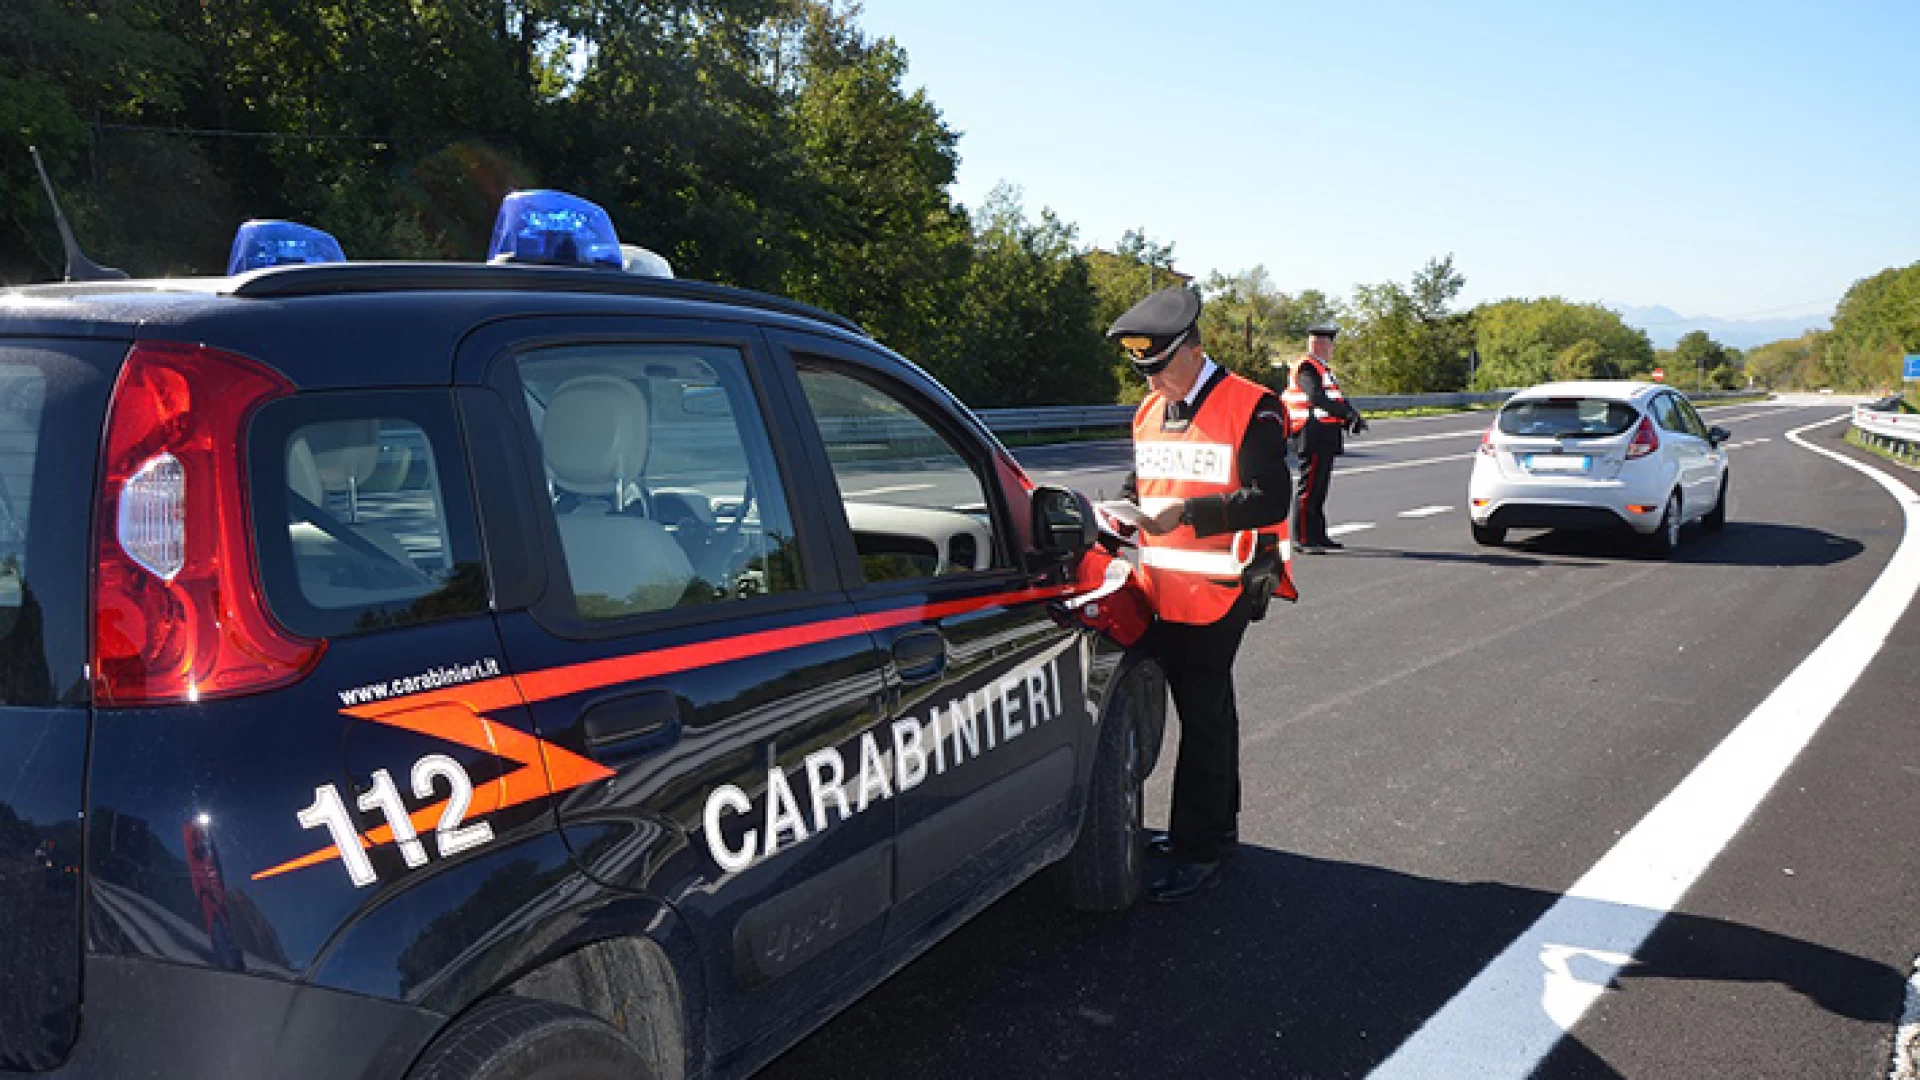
(361,513)
(1667,416)
(1691,417)
(917,507)
(660,476)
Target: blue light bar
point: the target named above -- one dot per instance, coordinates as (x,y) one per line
(555,229)
(280,243)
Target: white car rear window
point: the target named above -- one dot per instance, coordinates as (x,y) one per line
(1552,417)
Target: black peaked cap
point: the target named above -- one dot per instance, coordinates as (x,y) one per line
(1162,315)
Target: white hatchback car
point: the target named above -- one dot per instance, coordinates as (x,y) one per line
(1599,455)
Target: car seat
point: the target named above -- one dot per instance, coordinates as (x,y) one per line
(597,436)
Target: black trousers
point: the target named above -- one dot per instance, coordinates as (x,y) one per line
(1316,474)
(1198,661)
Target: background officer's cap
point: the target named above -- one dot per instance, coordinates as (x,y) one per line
(1325,330)
(1160,320)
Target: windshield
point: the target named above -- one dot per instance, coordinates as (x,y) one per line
(1567,417)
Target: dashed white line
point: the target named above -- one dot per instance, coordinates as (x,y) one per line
(1350,527)
(1511,1016)
(1475,433)
(1403,464)
(889,490)
(1424,511)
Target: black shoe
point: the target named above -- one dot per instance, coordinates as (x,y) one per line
(1160,844)
(1329,545)
(1181,880)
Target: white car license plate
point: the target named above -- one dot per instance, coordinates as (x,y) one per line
(1557,462)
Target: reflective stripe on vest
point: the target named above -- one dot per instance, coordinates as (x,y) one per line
(1191,578)
(1300,407)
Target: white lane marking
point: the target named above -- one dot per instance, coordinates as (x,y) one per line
(1424,511)
(1402,464)
(889,490)
(1350,527)
(1904,1040)
(1362,440)
(1509,1018)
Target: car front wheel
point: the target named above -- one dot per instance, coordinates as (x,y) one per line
(1666,538)
(1105,870)
(1716,519)
(1488,535)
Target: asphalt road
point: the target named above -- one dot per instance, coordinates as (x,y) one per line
(1438,742)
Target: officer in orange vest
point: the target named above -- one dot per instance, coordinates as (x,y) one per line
(1317,412)
(1210,476)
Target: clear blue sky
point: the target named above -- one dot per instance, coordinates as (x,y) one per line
(1728,159)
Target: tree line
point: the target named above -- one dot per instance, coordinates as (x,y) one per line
(770,144)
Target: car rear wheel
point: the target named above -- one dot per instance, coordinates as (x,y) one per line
(1488,535)
(511,1038)
(1666,538)
(1716,519)
(1104,872)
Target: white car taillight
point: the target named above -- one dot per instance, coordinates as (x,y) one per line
(153,517)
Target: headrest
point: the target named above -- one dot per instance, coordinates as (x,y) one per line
(303,475)
(345,452)
(596,435)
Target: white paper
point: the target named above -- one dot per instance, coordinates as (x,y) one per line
(1122,510)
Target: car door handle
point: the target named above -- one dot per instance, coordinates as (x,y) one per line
(920,655)
(632,724)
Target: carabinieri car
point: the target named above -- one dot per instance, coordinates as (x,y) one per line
(518,670)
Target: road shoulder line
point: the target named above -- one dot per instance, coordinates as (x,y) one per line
(1507,1020)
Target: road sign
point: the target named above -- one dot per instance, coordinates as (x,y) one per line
(1659,374)
(1913,366)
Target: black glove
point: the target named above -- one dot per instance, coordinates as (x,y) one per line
(1356,424)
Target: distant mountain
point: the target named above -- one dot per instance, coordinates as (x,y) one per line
(1666,326)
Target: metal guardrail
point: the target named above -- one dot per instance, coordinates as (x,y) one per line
(1895,432)
(1099,417)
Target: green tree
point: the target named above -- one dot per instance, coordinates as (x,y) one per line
(1876,324)
(1029,335)
(1791,364)
(1526,342)
(1406,338)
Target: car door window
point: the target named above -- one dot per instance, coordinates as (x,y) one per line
(1691,418)
(1667,416)
(660,476)
(917,508)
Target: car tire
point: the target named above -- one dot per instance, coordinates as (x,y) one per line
(1107,866)
(1716,518)
(1666,538)
(511,1038)
(1488,535)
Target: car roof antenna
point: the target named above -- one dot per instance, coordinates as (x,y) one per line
(79,267)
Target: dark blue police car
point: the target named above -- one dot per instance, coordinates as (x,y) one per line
(513,670)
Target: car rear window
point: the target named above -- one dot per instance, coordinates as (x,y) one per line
(52,402)
(362,514)
(1578,416)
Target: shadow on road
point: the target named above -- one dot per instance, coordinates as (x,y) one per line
(1741,543)
(1479,558)
(1293,967)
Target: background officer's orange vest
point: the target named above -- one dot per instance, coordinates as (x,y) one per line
(1299,407)
(1191,578)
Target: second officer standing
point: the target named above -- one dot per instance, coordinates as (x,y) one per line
(1210,474)
(1317,412)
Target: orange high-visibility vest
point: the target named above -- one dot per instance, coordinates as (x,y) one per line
(1300,410)
(1191,578)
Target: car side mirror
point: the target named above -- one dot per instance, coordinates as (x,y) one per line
(1064,525)
(1717,435)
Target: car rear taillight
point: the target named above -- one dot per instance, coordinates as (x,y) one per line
(1645,440)
(178,613)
